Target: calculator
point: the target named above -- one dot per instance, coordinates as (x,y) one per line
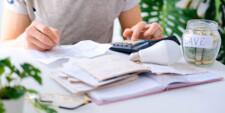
(129,46)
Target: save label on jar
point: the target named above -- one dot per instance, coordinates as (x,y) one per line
(199,41)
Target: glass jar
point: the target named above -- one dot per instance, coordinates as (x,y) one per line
(201,42)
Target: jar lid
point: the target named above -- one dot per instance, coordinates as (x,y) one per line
(202,24)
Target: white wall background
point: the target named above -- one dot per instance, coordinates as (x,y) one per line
(116,31)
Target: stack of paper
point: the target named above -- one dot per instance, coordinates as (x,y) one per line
(101,72)
(112,78)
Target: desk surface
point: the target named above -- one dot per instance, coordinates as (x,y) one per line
(204,98)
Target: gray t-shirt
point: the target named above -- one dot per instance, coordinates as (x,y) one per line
(76,19)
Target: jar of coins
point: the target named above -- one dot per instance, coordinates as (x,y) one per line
(201,42)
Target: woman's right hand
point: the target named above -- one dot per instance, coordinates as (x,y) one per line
(39,37)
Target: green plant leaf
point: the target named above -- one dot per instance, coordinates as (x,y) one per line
(222,12)
(2,69)
(37,78)
(9,79)
(211,11)
(6,62)
(165,13)
(31,71)
(14,92)
(2,108)
(31,91)
(44,107)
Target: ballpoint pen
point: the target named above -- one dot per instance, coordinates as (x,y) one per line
(40,19)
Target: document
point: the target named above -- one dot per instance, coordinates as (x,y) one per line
(80,74)
(110,66)
(81,87)
(83,49)
(72,87)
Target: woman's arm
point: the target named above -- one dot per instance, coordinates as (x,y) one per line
(130,18)
(18,31)
(134,28)
(13,25)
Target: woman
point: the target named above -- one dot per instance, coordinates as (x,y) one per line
(70,21)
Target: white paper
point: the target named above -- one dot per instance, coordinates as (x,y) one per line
(83,49)
(161,69)
(199,41)
(87,78)
(166,79)
(73,87)
(140,86)
(178,68)
(72,79)
(200,77)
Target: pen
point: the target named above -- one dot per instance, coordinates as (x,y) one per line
(40,19)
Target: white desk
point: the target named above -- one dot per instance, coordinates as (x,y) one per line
(205,98)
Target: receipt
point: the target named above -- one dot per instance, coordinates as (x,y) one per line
(83,49)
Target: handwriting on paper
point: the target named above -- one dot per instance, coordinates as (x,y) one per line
(109,66)
(199,41)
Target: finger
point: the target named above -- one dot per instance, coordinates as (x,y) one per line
(46,30)
(32,31)
(161,36)
(152,29)
(127,33)
(56,31)
(137,30)
(36,42)
(32,46)
(148,38)
(157,33)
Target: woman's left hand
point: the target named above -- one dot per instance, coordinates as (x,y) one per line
(144,31)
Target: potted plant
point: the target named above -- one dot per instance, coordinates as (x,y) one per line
(12,92)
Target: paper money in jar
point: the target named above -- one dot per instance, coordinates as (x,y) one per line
(201,42)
